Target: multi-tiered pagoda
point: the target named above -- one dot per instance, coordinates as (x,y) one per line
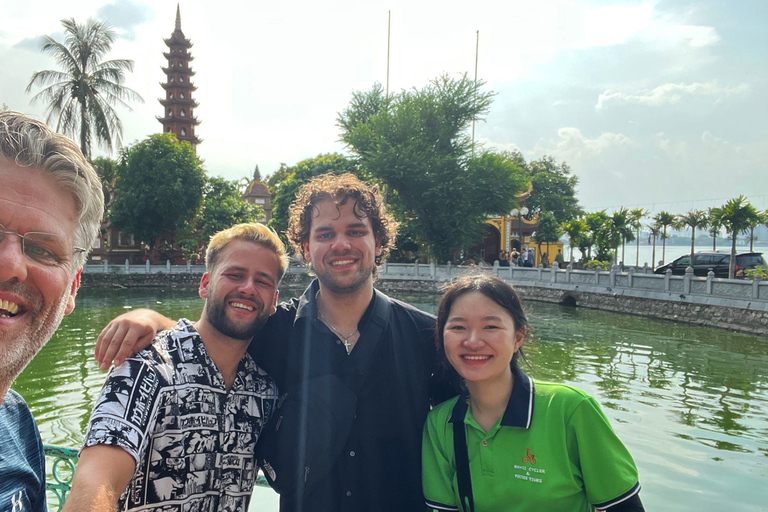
(178,104)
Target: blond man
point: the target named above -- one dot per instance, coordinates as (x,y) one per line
(176,425)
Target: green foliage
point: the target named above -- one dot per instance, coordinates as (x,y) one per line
(223,207)
(416,144)
(4,108)
(81,97)
(593,264)
(663,221)
(597,234)
(577,231)
(106,168)
(635,218)
(277,178)
(693,219)
(159,187)
(554,187)
(736,216)
(760,270)
(300,174)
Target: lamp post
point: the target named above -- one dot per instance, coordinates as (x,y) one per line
(519,214)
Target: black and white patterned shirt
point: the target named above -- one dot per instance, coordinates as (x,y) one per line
(192,440)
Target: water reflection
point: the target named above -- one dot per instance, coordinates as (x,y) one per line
(691,403)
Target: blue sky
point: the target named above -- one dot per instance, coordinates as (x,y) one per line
(660,104)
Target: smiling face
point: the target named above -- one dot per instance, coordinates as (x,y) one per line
(33,296)
(241,291)
(480,339)
(341,247)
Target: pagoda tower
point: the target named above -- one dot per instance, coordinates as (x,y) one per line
(178,104)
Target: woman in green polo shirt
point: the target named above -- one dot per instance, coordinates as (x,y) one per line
(526,446)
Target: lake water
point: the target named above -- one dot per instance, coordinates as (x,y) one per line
(690,403)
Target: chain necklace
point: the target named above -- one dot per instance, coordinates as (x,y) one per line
(344,339)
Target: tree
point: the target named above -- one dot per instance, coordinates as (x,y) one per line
(693,219)
(576,230)
(635,218)
(655,231)
(82,96)
(106,168)
(736,216)
(596,222)
(223,206)
(663,220)
(416,144)
(760,218)
(620,230)
(554,187)
(159,188)
(547,232)
(277,178)
(713,221)
(298,175)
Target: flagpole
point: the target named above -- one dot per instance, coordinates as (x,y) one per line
(477,52)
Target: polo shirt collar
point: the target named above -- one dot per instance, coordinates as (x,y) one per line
(519,412)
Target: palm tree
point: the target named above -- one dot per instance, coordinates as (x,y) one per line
(635,218)
(737,215)
(618,230)
(713,216)
(693,219)
(655,230)
(576,229)
(761,218)
(82,96)
(663,221)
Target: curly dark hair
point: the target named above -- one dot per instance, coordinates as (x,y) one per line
(340,188)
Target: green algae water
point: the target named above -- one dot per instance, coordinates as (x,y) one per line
(691,404)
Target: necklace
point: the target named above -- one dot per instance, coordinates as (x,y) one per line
(344,339)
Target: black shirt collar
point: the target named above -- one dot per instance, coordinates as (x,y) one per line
(307,307)
(519,412)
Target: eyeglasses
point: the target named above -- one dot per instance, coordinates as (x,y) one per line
(43,248)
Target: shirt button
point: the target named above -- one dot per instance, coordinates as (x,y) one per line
(338,342)
(349,493)
(352,453)
(485,442)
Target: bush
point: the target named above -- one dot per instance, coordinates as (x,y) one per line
(593,264)
(760,270)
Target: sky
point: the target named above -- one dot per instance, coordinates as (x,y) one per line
(655,104)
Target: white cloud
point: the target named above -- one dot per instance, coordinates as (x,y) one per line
(670,94)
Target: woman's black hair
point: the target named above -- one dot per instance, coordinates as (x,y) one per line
(492,287)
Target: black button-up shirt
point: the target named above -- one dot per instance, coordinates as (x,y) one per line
(379,468)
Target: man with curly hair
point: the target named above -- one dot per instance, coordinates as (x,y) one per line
(343,338)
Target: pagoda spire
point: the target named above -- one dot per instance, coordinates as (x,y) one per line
(178,105)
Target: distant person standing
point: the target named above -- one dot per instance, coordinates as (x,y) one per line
(515,258)
(559,258)
(531,258)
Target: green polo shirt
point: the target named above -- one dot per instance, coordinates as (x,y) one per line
(553,449)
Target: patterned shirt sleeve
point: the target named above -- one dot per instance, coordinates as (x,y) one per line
(123,412)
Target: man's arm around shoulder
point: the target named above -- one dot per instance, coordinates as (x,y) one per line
(101,476)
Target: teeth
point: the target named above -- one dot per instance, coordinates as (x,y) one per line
(240,305)
(9,306)
(476,358)
(342,262)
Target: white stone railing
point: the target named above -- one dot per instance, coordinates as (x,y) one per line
(612,281)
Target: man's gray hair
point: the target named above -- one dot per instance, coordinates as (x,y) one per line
(30,143)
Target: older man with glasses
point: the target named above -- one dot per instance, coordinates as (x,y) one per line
(51,204)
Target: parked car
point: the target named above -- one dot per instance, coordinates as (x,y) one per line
(716,260)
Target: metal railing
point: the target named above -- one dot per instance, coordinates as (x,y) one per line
(62,461)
